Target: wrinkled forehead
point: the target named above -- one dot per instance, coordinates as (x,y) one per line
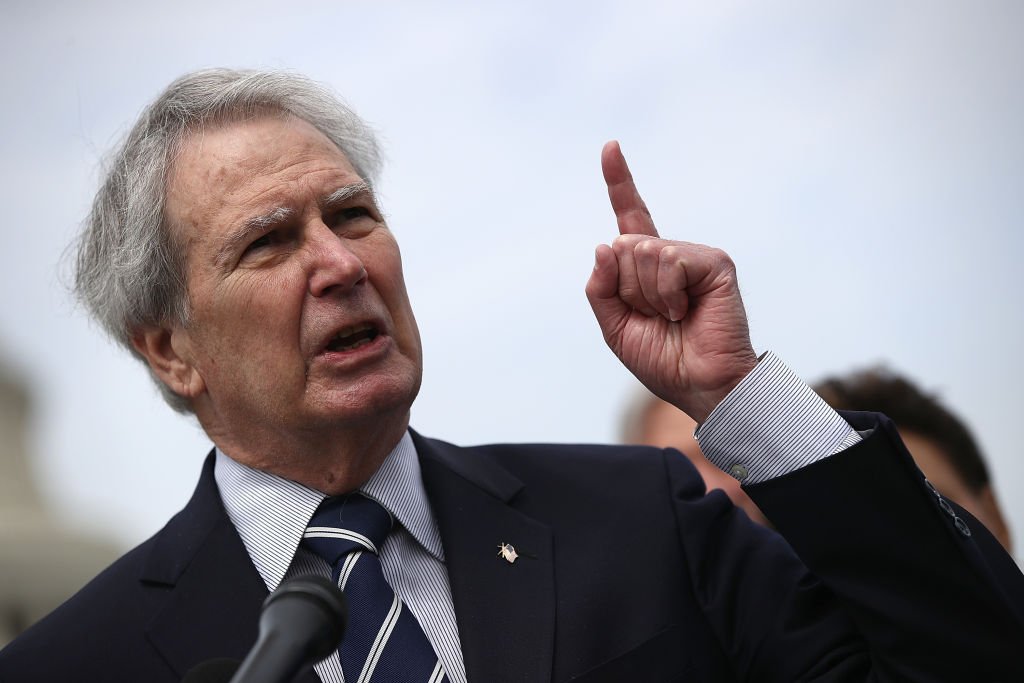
(224,172)
(205,141)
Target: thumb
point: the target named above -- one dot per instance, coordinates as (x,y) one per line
(603,293)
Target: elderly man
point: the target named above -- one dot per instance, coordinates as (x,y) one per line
(237,248)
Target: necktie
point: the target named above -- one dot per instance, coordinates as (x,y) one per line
(383,642)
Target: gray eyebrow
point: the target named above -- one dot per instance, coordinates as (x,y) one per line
(343,194)
(256,224)
(281,215)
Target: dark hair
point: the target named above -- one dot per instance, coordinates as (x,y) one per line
(879,389)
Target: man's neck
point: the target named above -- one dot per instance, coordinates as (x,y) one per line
(335,460)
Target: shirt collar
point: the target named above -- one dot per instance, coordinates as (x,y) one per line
(271,513)
(398,486)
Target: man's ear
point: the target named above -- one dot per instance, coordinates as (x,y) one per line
(166,351)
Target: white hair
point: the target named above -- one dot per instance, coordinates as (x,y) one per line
(129,270)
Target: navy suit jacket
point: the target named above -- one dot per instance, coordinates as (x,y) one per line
(627,572)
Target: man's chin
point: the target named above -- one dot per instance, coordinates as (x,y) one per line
(374,399)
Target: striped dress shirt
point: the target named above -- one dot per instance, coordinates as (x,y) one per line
(271,514)
(770,424)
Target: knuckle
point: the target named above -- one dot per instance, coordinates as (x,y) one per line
(722,259)
(648,248)
(673,252)
(624,244)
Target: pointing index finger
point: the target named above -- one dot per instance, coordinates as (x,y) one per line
(630,210)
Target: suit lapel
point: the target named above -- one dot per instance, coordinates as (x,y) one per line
(214,592)
(505,611)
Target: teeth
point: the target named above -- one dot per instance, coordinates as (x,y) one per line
(349,331)
(348,347)
(353,337)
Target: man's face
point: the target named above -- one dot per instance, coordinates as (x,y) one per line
(300,317)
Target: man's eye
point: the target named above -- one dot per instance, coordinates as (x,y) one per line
(259,243)
(353,220)
(353,212)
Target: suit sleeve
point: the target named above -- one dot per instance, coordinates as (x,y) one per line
(878,579)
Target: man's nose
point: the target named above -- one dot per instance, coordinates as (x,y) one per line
(333,265)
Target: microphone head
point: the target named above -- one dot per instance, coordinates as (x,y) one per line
(320,601)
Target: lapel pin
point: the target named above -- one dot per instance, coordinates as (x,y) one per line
(506,551)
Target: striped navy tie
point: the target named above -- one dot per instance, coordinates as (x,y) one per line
(383,642)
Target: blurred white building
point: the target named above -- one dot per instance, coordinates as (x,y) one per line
(42,562)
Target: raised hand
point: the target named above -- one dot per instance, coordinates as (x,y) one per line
(671,311)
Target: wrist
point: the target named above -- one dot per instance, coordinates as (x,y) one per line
(704,404)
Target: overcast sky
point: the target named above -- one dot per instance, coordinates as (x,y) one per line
(861,161)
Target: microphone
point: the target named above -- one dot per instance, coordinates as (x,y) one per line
(300,623)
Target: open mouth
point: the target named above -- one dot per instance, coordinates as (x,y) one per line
(352,338)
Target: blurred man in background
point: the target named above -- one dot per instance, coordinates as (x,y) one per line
(942,445)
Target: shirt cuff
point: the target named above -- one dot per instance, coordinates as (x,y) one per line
(771,424)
